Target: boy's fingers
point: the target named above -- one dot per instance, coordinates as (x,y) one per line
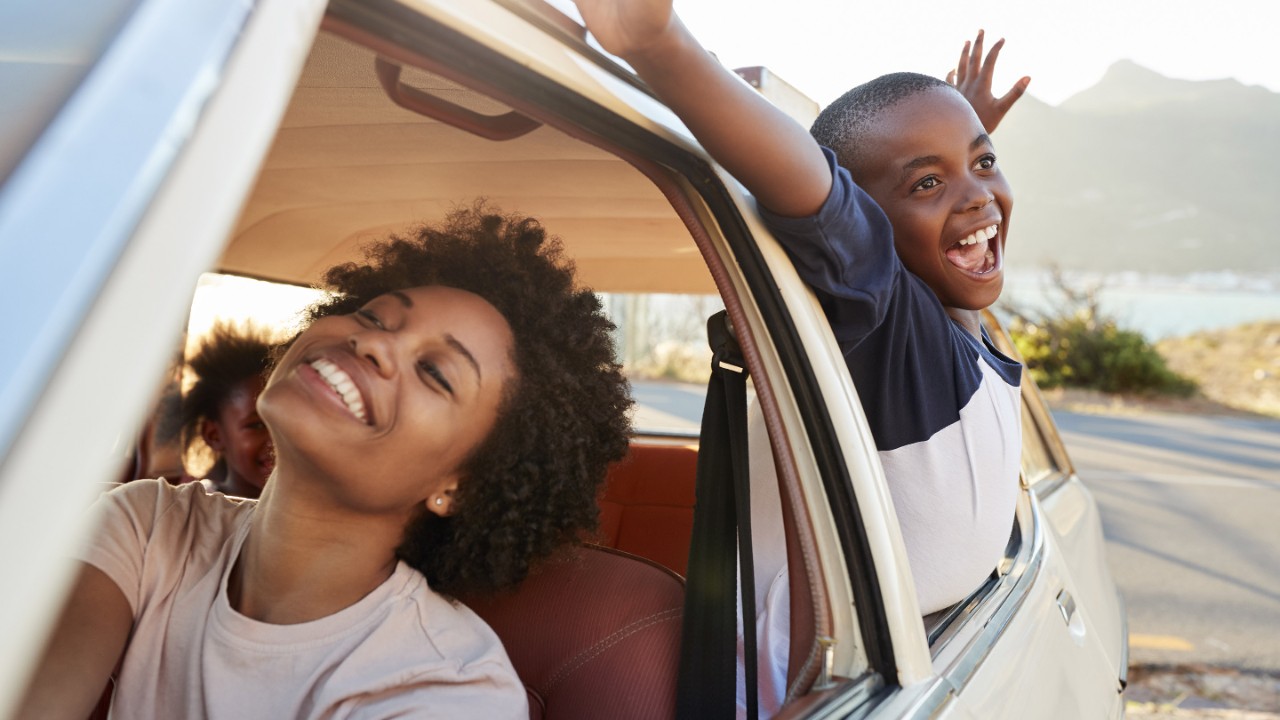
(989,67)
(959,72)
(1014,93)
(951,77)
(975,58)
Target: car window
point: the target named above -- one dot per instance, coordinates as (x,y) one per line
(46,48)
(1037,460)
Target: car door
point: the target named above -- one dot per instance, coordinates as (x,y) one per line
(121,179)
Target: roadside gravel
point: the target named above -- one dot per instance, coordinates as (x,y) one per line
(1201,692)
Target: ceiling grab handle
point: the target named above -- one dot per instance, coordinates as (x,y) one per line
(492,127)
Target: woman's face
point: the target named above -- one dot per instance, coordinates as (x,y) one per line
(383,406)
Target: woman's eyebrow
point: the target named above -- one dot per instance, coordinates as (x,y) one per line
(462,350)
(404,299)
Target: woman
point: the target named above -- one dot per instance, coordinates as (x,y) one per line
(221,409)
(442,423)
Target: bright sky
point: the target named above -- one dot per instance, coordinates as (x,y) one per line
(824,47)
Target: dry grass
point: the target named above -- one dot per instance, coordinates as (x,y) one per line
(1237,368)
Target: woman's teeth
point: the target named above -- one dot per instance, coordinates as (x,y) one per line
(342,384)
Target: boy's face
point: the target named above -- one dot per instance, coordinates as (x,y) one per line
(932,168)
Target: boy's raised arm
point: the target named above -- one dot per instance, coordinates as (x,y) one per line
(771,154)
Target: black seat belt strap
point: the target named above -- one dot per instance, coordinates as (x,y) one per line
(721,535)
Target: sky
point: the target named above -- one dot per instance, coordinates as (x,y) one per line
(824,47)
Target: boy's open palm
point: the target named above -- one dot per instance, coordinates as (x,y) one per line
(972,77)
(625,27)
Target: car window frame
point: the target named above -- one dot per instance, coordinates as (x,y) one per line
(693,180)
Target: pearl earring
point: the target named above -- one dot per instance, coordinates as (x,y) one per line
(439,501)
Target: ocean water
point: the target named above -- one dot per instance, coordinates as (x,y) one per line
(1162,307)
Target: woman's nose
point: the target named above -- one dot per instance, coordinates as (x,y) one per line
(374,345)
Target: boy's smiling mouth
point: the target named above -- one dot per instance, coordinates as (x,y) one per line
(974,254)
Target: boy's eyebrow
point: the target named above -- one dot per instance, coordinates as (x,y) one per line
(926,160)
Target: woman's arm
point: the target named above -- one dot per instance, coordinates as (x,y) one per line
(86,645)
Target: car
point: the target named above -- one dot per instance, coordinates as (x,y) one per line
(155,141)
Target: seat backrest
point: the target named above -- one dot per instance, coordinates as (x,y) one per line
(594,633)
(647,506)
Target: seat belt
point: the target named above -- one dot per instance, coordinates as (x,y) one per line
(721,535)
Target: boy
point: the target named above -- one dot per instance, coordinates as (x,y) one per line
(943,404)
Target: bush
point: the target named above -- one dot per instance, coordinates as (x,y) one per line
(1081,347)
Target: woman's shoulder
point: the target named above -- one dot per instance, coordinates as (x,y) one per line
(157,502)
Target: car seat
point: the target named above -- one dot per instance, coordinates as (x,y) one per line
(593,633)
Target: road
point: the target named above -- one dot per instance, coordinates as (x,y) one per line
(1191,511)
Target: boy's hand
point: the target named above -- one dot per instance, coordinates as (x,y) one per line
(972,77)
(626,27)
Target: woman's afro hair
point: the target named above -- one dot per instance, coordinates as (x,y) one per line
(531,485)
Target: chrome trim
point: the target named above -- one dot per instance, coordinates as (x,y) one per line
(854,702)
(1124,640)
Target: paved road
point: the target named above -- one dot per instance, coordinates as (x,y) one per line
(1191,510)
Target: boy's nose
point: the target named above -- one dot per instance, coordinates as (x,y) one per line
(978,196)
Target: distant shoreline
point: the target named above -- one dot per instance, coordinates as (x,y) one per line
(1158,306)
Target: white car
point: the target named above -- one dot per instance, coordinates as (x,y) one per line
(144,142)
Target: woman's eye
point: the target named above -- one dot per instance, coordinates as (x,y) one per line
(927,183)
(369,317)
(429,368)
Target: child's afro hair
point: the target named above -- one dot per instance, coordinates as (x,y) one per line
(531,485)
(228,356)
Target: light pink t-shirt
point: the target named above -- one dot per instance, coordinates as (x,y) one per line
(402,651)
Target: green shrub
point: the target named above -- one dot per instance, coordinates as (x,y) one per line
(1080,347)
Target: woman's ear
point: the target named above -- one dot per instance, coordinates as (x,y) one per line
(441,501)
(212,435)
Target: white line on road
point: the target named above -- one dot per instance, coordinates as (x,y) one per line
(1176,479)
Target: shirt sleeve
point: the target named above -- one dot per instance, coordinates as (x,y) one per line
(845,254)
(125,521)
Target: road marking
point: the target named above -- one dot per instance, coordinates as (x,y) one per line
(1176,479)
(1159,642)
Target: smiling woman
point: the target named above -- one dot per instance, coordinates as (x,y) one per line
(429,418)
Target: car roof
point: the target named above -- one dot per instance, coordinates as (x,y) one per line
(348,166)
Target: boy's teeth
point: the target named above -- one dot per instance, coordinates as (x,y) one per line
(341,383)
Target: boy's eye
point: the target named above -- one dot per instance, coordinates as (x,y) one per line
(429,369)
(927,183)
(986,162)
(369,317)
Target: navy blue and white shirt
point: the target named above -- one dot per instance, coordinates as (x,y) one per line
(943,406)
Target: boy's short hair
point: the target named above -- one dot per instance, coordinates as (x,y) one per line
(842,125)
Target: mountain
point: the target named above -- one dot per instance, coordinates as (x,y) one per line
(1148,173)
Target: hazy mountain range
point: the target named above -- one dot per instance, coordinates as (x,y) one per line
(1143,172)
